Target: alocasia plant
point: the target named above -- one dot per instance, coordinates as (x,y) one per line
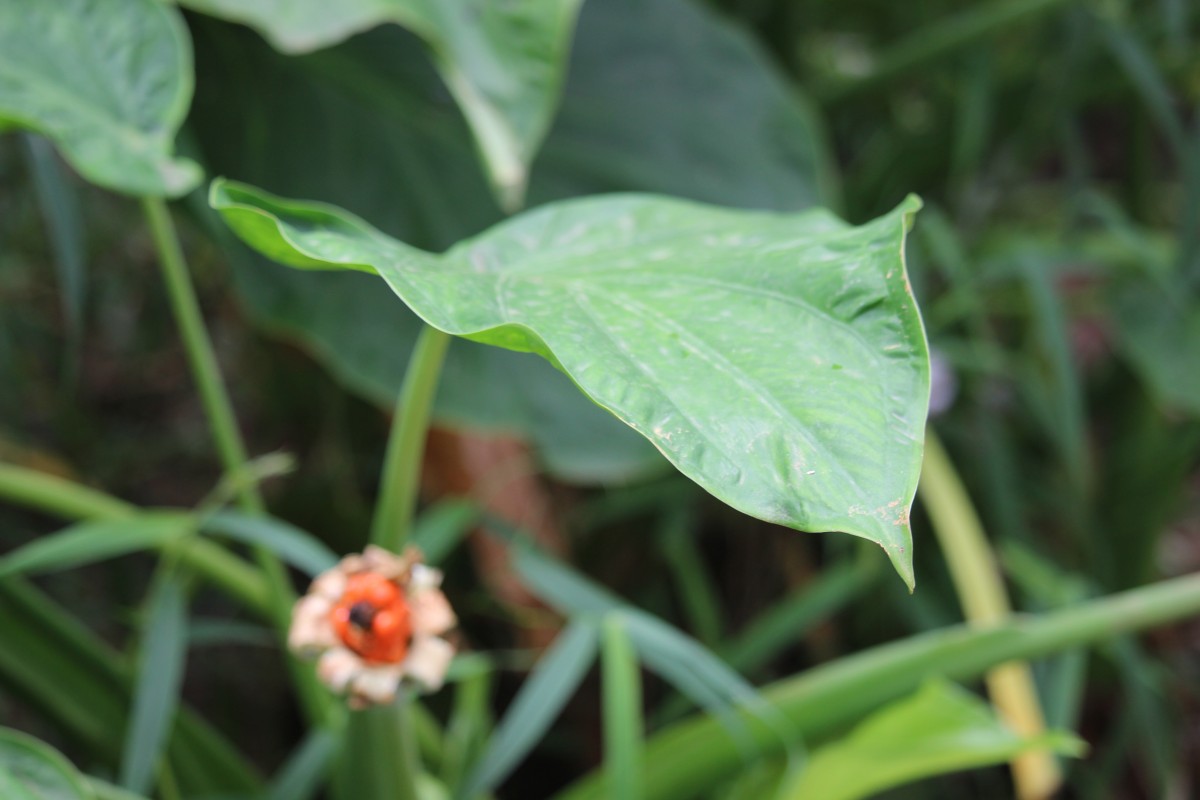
(776,359)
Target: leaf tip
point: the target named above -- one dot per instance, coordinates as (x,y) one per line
(901,557)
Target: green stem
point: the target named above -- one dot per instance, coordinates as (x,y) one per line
(686,758)
(201,355)
(406,442)
(232,451)
(980,589)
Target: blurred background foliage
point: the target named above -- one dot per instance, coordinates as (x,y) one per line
(1056,145)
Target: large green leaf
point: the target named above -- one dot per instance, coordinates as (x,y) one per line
(108,80)
(504,62)
(644,109)
(939,729)
(777,360)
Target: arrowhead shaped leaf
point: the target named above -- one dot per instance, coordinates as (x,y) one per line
(718,123)
(503,62)
(108,80)
(778,360)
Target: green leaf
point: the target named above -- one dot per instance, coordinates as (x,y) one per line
(777,360)
(304,772)
(940,729)
(441,527)
(30,768)
(669,96)
(88,542)
(108,80)
(622,711)
(1159,331)
(536,705)
(385,146)
(503,62)
(295,546)
(678,658)
(156,690)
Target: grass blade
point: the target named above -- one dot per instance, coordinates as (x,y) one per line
(295,546)
(622,711)
(88,542)
(156,692)
(536,705)
(439,530)
(301,776)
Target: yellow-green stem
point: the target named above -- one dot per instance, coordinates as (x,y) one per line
(398,487)
(219,409)
(985,603)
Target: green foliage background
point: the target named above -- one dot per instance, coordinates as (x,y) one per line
(1056,146)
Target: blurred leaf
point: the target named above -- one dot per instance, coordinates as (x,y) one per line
(504,62)
(216,632)
(297,547)
(668,96)
(939,729)
(102,790)
(88,542)
(678,658)
(303,773)
(59,667)
(32,769)
(157,686)
(662,96)
(1159,331)
(536,705)
(108,80)
(622,710)
(59,203)
(777,360)
(442,526)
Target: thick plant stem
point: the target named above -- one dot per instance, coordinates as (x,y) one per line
(217,406)
(985,603)
(406,443)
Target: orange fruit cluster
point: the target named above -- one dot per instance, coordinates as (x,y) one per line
(372,618)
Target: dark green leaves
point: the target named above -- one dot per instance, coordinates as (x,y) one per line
(109,81)
(777,360)
(504,62)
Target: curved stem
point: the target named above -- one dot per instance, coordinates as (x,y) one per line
(397,502)
(232,450)
(980,589)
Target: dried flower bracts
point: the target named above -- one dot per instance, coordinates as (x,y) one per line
(375,620)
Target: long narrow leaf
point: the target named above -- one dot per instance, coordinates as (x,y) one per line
(88,542)
(156,693)
(59,204)
(939,729)
(536,705)
(295,546)
(301,776)
(622,711)
(697,753)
